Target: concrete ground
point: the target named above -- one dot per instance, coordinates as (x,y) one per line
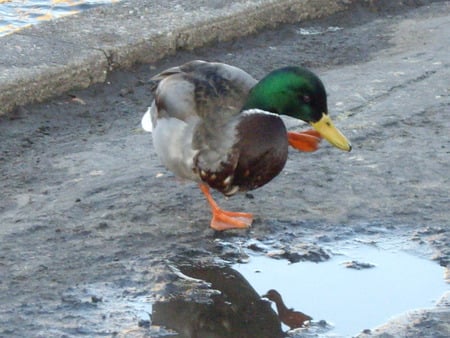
(49,59)
(92,225)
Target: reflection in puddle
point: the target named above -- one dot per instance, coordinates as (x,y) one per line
(290,317)
(358,290)
(353,296)
(237,311)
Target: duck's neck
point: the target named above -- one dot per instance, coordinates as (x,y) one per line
(258,99)
(270,94)
(281,308)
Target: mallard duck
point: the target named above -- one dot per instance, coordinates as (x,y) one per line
(214,124)
(293,319)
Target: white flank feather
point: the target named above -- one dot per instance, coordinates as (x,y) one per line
(146,121)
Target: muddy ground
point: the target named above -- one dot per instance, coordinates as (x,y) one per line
(88,214)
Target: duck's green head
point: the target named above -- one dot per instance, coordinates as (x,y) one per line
(299,93)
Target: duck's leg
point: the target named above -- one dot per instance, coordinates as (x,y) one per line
(222,219)
(307,141)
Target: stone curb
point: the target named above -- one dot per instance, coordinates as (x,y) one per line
(50,59)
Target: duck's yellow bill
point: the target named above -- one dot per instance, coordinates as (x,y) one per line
(329,132)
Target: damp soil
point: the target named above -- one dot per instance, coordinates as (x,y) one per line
(98,239)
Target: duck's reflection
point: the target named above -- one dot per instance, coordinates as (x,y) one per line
(293,319)
(238,311)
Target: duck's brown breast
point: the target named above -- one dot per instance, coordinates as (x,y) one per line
(262,147)
(256,154)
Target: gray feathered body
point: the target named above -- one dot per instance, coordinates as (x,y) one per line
(201,133)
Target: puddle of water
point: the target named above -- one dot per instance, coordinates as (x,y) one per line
(18,14)
(355,290)
(350,299)
(232,308)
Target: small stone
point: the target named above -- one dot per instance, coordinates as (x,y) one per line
(358,265)
(144,323)
(102,225)
(125,91)
(95,299)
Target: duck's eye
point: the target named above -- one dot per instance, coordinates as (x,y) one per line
(306,98)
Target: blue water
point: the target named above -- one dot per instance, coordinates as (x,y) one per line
(18,14)
(350,300)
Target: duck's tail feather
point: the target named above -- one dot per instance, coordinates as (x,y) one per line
(146,121)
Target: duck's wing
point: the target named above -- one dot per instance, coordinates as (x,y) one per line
(207,94)
(212,91)
(194,110)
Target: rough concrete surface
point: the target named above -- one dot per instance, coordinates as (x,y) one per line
(49,59)
(94,230)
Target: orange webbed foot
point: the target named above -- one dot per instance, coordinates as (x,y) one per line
(307,141)
(225,220)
